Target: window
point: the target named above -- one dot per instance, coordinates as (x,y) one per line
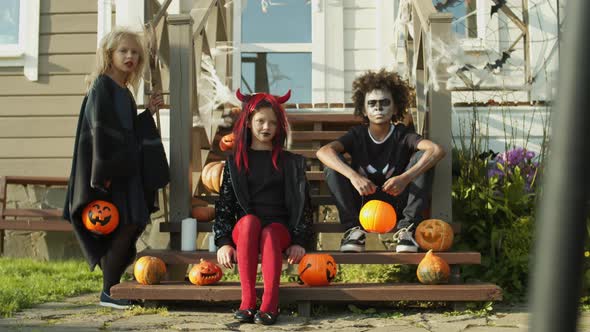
(19,35)
(274,56)
(470,19)
(11,39)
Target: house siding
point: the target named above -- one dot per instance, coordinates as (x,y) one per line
(38,119)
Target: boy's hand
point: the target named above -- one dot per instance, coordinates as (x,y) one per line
(226,255)
(363,185)
(156,101)
(294,254)
(395,185)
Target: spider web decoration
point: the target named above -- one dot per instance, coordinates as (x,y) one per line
(499,59)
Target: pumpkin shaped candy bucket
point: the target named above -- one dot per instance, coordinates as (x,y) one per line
(100,217)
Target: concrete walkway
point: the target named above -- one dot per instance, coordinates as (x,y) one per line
(83,314)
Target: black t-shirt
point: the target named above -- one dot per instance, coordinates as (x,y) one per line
(380,161)
(266,188)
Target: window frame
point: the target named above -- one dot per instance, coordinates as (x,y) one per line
(26,52)
(261,47)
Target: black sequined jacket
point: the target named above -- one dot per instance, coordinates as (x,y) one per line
(233,202)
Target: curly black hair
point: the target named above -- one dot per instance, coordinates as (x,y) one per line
(384,80)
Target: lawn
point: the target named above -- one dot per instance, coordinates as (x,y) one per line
(26,282)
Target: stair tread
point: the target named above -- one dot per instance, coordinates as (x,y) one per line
(291,292)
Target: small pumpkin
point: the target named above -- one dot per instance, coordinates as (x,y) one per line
(203,213)
(377,217)
(149,270)
(212,176)
(100,217)
(434,234)
(433,269)
(205,273)
(317,269)
(226,142)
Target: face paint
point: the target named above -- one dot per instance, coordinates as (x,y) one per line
(379,107)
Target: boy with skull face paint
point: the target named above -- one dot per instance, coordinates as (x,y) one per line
(389,161)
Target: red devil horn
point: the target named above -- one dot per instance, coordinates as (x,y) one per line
(241,97)
(283,99)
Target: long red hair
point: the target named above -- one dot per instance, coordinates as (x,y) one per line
(243,135)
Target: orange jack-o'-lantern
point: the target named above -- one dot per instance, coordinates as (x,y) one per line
(434,234)
(317,269)
(226,142)
(433,270)
(377,217)
(205,273)
(149,270)
(100,217)
(212,175)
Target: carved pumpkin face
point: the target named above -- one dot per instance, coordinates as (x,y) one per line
(226,142)
(212,176)
(149,270)
(100,217)
(377,217)
(317,269)
(434,234)
(205,273)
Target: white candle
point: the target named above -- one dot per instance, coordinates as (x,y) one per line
(189,235)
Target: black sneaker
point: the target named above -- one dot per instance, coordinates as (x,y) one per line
(107,301)
(353,240)
(405,240)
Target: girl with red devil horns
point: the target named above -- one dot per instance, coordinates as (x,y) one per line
(264,206)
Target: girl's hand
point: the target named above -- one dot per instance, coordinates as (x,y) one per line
(156,101)
(226,255)
(294,253)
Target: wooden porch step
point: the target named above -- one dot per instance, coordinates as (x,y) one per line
(367,257)
(289,293)
(323,227)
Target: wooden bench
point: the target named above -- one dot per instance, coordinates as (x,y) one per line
(310,130)
(30,219)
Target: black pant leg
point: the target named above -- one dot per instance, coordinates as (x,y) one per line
(418,195)
(347,199)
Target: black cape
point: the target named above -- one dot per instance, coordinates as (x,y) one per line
(103,151)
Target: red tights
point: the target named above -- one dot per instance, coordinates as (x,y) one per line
(251,239)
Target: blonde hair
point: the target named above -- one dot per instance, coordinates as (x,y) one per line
(104,60)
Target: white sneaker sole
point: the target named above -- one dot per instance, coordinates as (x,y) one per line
(405,248)
(113,305)
(352,248)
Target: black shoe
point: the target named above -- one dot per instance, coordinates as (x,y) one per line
(107,301)
(405,240)
(245,316)
(353,240)
(265,318)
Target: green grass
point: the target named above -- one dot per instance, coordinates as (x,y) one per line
(26,282)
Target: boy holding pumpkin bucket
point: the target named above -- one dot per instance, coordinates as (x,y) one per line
(389,162)
(118,157)
(264,205)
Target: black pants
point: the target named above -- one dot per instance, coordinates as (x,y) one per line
(412,202)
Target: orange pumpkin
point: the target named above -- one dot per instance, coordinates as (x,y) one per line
(434,234)
(205,273)
(377,217)
(433,269)
(212,175)
(317,269)
(203,213)
(149,270)
(100,217)
(226,142)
